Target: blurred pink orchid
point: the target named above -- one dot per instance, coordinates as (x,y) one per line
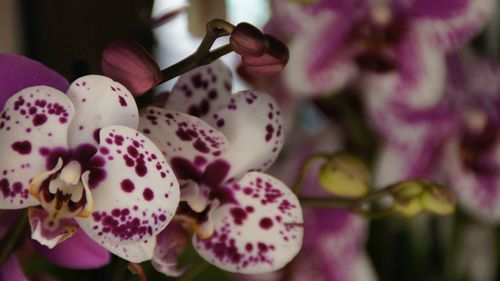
(398,46)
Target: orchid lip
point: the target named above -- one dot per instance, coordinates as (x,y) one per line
(62,192)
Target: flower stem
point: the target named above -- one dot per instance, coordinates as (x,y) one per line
(202,56)
(299,182)
(327,203)
(194,271)
(13,236)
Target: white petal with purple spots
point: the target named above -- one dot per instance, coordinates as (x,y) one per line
(259,230)
(34,119)
(182,135)
(136,252)
(135,192)
(202,91)
(99,102)
(252,124)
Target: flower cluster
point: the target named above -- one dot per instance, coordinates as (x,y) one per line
(88,162)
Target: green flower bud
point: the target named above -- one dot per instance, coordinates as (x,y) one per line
(438,200)
(408,207)
(345,175)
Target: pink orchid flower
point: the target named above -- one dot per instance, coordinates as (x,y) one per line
(398,46)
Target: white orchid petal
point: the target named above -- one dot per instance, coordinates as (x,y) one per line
(99,102)
(252,124)
(135,192)
(182,137)
(259,230)
(202,91)
(34,121)
(135,252)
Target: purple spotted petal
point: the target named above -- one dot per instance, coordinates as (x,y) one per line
(33,121)
(478,194)
(47,234)
(11,270)
(135,192)
(260,233)
(171,243)
(99,102)
(329,66)
(135,252)
(202,91)
(179,135)
(78,252)
(252,124)
(451,23)
(18,72)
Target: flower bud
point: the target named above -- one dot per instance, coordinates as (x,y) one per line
(408,207)
(407,197)
(345,175)
(271,62)
(131,65)
(409,189)
(246,39)
(438,200)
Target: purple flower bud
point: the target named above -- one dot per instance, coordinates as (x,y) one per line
(271,62)
(131,65)
(246,39)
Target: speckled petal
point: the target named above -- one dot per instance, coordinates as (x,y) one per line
(452,22)
(183,136)
(252,124)
(200,92)
(99,102)
(135,192)
(260,233)
(330,66)
(134,252)
(35,118)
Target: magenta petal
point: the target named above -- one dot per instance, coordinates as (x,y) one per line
(11,271)
(78,252)
(18,72)
(440,9)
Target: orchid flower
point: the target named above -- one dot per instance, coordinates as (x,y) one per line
(471,158)
(79,159)
(456,139)
(334,238)
(397,44)
(218,144)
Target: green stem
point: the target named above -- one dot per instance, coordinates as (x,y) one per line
(13,236)
(327,203)
(194,271)
(299,182)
